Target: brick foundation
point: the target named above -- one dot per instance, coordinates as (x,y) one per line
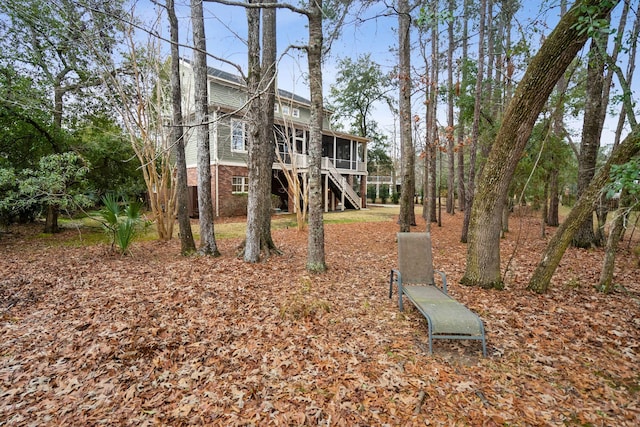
(229,204)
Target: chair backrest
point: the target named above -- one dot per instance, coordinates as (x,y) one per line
(414,258)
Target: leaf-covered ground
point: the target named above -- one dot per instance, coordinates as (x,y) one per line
(90,338)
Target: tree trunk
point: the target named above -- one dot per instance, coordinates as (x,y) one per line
(552,218)
(255,138)
(51,222)
(475,130)
(269,64)
(506,212)
(615,235)
(546,67)
(208,244)
(462,192)
(315,251)
(261,142)
(541,278)
(428,208)
(406,141)
(590,145)
(187,244)
(618,225)
(451,155)
(461,186)
(433,127)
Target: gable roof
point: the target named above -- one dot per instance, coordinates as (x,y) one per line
(235,79)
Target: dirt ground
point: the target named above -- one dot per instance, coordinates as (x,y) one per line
(92,338)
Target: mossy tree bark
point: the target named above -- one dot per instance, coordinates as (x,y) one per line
(555,55)
(590,141)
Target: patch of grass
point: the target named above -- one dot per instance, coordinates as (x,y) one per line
(303,305)
(298,308)
(230,230)
(89,229)
(572,283)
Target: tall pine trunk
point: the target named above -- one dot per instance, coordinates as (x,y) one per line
(475,130)
(315,250)
(208,244)
(261,91)
(462,191)
(269,75)
(451,175)
(187,244)
(406,142)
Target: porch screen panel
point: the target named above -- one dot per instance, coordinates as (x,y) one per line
(343,153)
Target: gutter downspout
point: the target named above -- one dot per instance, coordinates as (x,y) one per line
(216,160)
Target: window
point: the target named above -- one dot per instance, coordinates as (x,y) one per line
(276,108)
(285,110)
(238,135)
(295,112)
(240,184)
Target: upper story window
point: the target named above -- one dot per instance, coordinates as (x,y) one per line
(285,110)
(295,112)
(238,135)
(276,108)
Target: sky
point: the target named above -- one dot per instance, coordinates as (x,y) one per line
(370,32)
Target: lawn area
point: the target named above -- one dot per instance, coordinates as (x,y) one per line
(88,337)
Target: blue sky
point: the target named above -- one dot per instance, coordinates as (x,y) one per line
(226,27)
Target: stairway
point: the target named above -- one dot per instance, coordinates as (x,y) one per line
(343,186)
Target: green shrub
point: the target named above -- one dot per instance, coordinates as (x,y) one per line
(384,193)
(395,197)
(122,225)
(371,193)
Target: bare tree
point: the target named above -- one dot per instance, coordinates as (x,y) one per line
(297,182)
(137,93)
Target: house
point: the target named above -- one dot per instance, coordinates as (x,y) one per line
(344,161)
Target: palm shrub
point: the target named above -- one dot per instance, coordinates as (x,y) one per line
(121,224)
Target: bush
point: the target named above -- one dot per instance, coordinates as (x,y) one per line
(122,225)
(395,197)
(371,193)
(384,193)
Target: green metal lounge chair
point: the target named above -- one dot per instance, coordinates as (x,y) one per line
(446,317)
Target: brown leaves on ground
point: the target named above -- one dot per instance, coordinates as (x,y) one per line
(89,338)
